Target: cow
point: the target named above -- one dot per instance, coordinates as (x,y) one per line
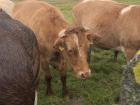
(79,22)
(19,63)
(115,25)
(7,6)
(59,44)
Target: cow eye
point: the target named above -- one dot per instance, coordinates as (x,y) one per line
(73,52)
(70,51)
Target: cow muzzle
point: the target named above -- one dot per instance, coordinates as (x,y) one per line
(84,75)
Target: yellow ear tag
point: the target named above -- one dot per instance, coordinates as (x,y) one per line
(137,73)
(61,48)
(138,53)
(137,70)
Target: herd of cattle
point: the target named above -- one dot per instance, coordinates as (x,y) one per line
(35,34)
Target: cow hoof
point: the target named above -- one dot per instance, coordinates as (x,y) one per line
(117,99)
(65,95)
(49,93)
(115,61)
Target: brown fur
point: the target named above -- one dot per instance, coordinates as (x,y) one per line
(105,19)
(47,21)
(19,63)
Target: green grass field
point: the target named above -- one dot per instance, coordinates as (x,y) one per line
(102,88)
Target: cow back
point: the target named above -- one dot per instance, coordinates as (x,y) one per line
(45,20)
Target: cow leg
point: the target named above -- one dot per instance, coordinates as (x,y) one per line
(48,77)
(36,97)
(89,55)
(116,53)
(49,85)
(130,53)
(63,77)
(64,86)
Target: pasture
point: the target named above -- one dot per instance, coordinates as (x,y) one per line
(102,88)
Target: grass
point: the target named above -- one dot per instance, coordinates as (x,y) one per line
(101,89)
(129,1)
(104,85)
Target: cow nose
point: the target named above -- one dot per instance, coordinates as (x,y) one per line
(85,75)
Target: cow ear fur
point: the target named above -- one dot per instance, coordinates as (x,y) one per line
(93,37)
(59,44)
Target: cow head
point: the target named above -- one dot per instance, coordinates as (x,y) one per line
(73,43)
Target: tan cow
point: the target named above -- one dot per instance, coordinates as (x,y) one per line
(117,24)
(58,44)
(7,6)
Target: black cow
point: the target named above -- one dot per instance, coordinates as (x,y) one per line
(19,62)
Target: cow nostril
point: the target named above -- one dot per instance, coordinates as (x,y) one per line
(84,75)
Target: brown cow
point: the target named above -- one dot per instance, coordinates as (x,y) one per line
(58,44)
(19,63)
(116,23)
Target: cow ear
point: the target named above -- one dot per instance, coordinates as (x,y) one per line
(59,44)
(89,37)
(93,37)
